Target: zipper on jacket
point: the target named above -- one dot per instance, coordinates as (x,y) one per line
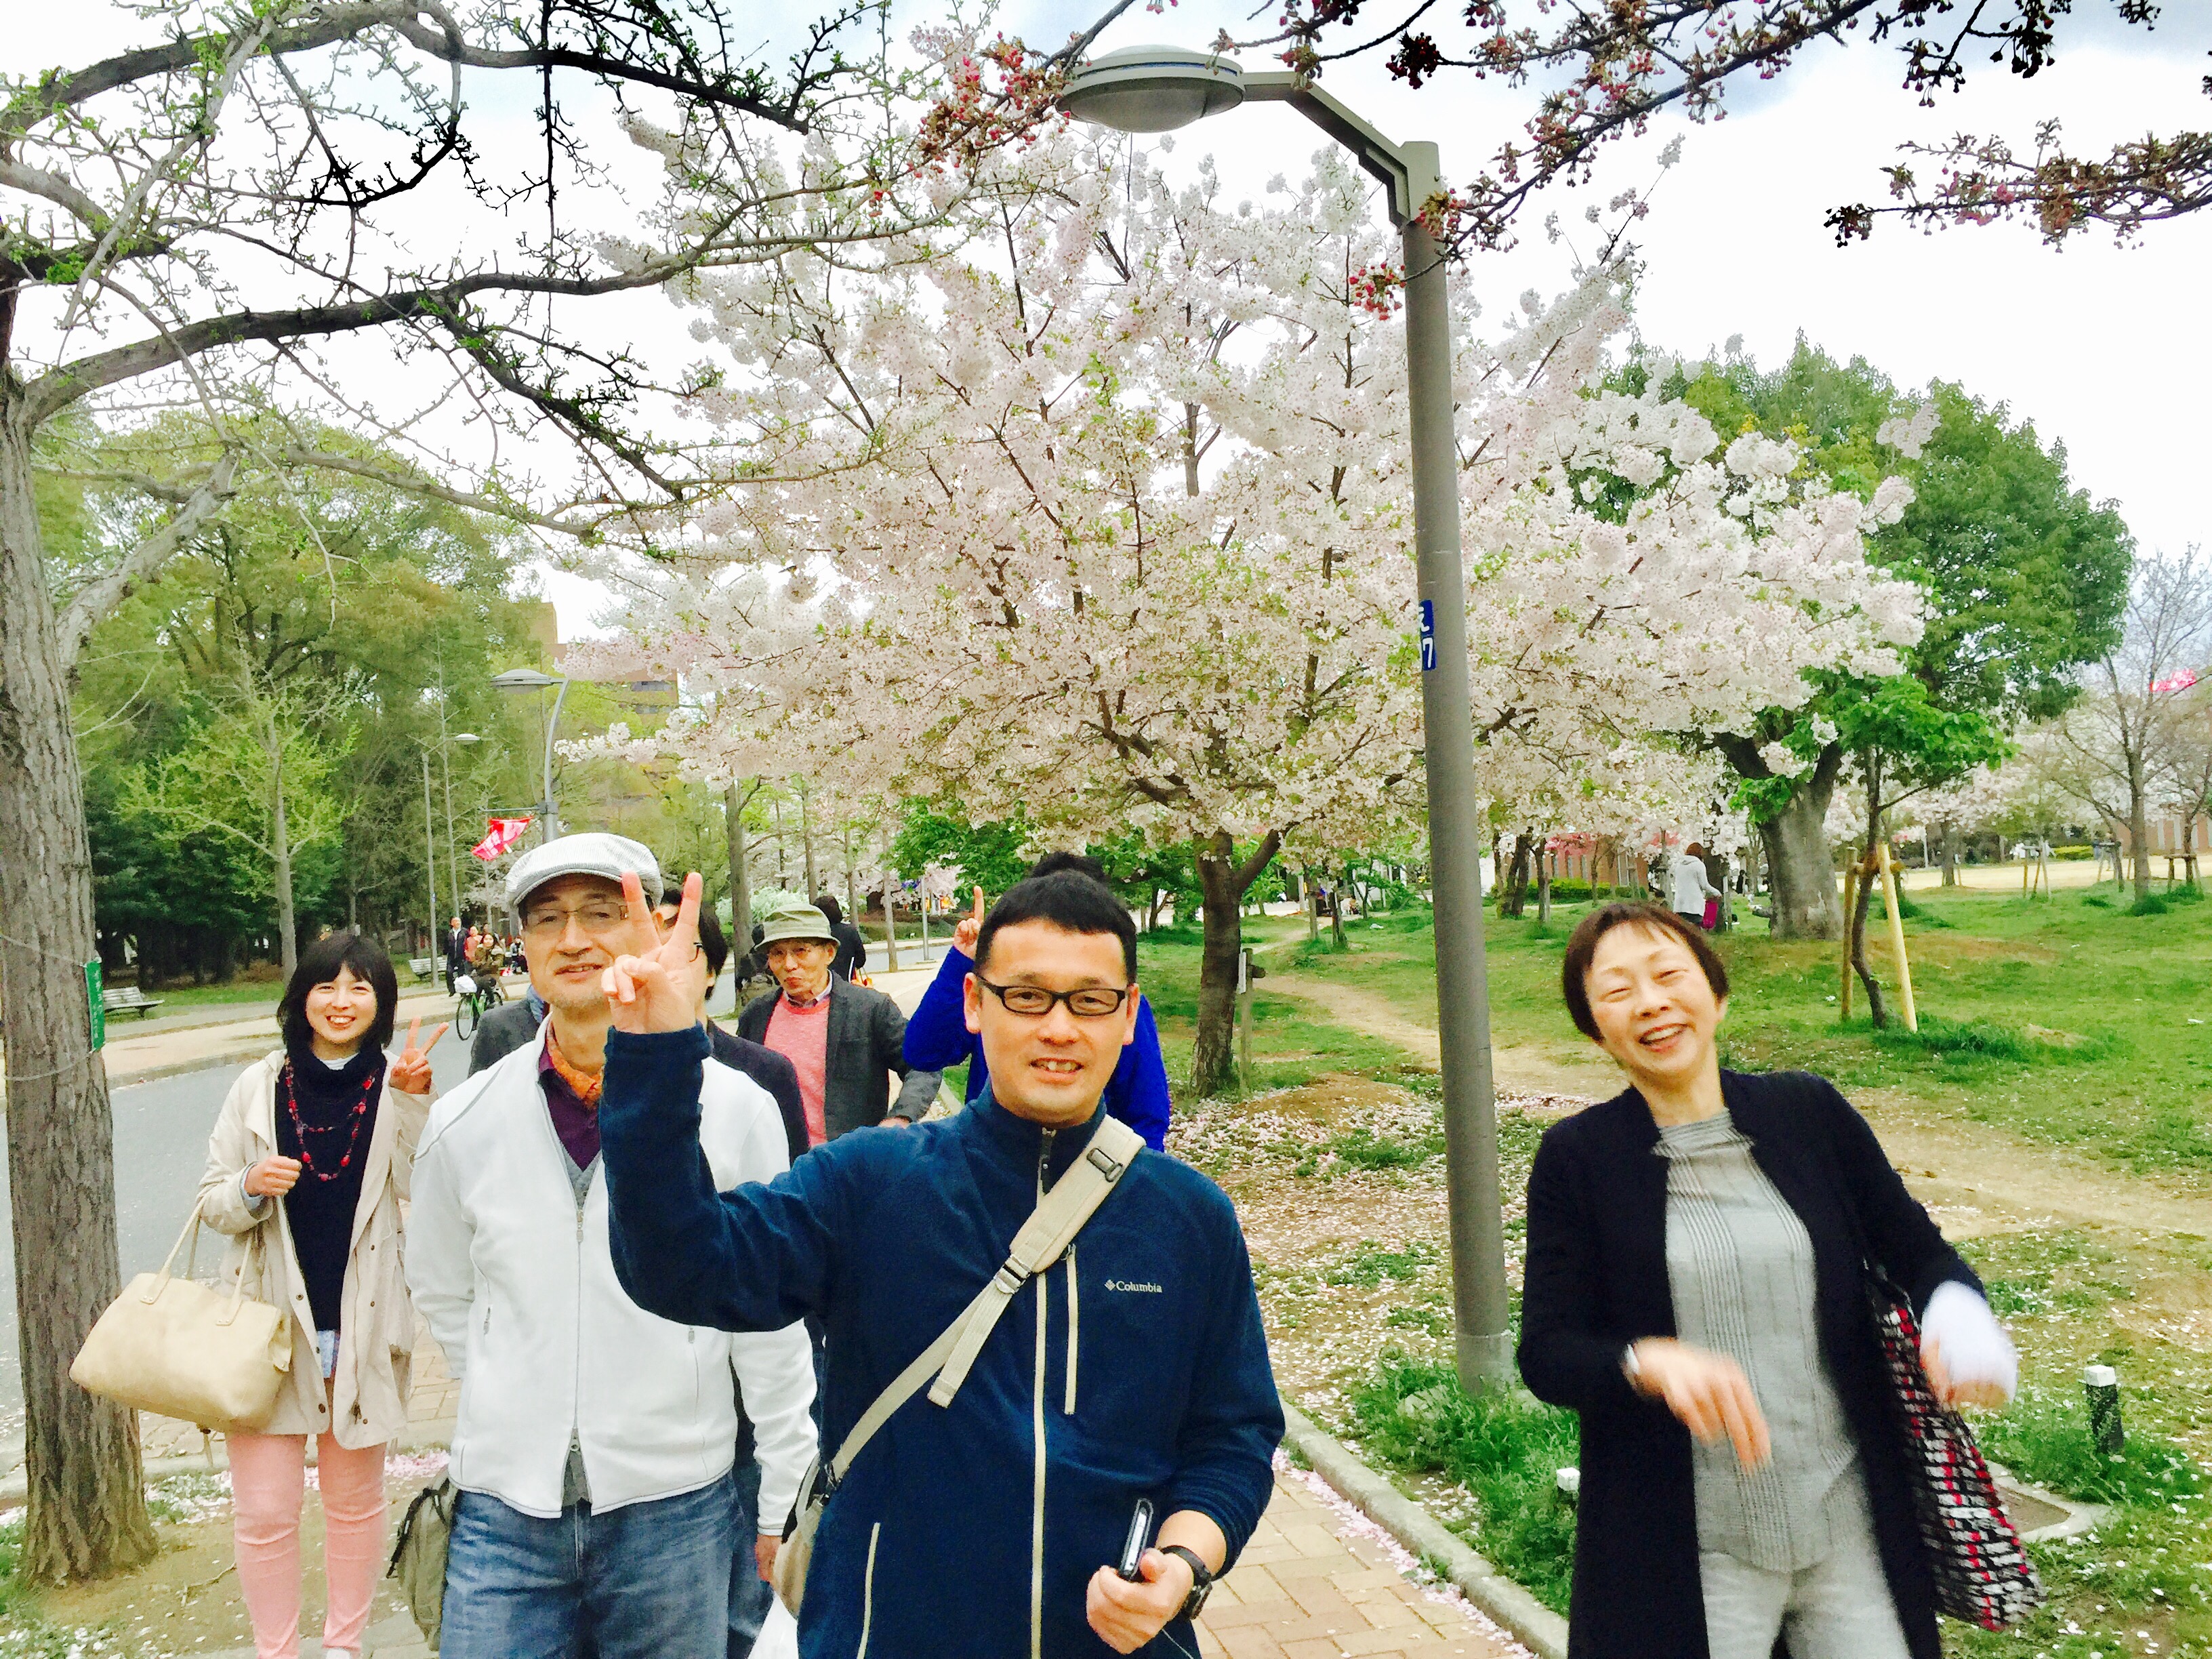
(868,1591)
(576,1376)
(1074,1306)
(1037,1485)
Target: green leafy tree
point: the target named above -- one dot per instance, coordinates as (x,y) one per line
(2026,578)
(993,855)
(256,779)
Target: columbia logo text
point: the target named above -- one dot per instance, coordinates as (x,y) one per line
(1132,1285)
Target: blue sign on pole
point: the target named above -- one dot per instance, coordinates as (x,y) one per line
(1428,635)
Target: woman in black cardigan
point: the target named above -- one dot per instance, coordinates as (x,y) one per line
(1695,1292)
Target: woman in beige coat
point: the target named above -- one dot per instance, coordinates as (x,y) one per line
(306,1169)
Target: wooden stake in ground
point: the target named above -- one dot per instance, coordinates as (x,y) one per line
(1851,897)
(1897,936)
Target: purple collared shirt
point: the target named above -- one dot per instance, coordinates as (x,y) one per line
(576,1123)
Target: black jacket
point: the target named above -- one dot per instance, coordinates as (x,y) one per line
(1596,1281)
(865,1047)
(852,950)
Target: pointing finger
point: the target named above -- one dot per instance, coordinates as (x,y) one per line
(979,904)
(432,1043)
(413,1031)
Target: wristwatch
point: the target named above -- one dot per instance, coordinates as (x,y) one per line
(1201,1580)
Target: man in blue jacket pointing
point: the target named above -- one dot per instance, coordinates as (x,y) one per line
(1133,1368)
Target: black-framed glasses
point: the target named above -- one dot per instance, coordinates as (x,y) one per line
(1034,1001)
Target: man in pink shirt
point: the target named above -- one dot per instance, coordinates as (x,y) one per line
(846,1041)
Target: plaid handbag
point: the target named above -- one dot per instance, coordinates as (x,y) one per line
(1982,1571)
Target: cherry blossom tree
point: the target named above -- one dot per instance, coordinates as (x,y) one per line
(1101,513)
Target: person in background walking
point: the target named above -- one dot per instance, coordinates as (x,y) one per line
(1697,1291)
(846,1041)
(938,1036)
(457,951)
(851,959)
(595,1442)
(310,1161)
(1690,889)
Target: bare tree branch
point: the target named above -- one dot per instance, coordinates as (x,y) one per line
(102,595)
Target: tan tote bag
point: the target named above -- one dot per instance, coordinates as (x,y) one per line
(182,1349)
(1043,1240)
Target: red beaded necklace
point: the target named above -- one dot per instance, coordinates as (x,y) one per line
(355,1117)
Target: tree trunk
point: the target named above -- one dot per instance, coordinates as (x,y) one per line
(852,880)
(2138,823)
(280,845)
(1543,885)
(1950,855)
(1876,1012)
(1223,882)
(741,881)
(87,1502)
(1800,867)
(806,844)
(1515,898)
(1869,871)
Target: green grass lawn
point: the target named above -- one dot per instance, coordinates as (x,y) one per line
(2061,1020)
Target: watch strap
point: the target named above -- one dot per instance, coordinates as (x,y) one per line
(1202,1579)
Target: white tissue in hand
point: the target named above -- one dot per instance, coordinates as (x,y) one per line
(1975,1347)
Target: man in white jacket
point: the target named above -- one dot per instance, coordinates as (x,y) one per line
(595,1441)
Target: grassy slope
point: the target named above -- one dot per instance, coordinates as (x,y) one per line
(2125,1076)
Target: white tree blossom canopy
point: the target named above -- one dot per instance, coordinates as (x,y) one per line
(1104,511)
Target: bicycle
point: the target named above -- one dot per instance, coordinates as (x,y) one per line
(476,997)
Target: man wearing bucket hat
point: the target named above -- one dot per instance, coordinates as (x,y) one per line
(846,1041)
(594,1442)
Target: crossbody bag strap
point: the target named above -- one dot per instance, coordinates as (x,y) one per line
(1051,1227)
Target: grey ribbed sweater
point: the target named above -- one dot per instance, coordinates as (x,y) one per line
(1739,1267)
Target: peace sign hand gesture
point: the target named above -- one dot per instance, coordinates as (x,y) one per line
(645,983)
(411,1072)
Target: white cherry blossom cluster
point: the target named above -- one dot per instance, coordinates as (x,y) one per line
(1101,510)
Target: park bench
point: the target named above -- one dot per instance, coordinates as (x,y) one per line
(128,1000)
(425,968)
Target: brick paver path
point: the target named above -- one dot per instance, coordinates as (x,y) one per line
(1306,1589)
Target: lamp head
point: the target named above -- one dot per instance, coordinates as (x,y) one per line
(523,679)
(1153,88)
(465,736)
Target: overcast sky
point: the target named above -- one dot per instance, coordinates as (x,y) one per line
(2104,348)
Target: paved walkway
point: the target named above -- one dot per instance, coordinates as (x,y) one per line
(1318,1581)
(1309,1586)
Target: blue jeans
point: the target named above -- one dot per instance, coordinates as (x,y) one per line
(647,1581)
(750,1595)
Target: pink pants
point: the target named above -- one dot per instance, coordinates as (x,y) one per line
(268,1481)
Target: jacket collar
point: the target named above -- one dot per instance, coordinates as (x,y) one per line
(1019,1140)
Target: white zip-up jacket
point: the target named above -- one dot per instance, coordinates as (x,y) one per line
(515,1279)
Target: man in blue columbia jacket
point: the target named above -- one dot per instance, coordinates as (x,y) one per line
(1134,1368)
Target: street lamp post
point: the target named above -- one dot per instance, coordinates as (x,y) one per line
(1157,89)
(529,680)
